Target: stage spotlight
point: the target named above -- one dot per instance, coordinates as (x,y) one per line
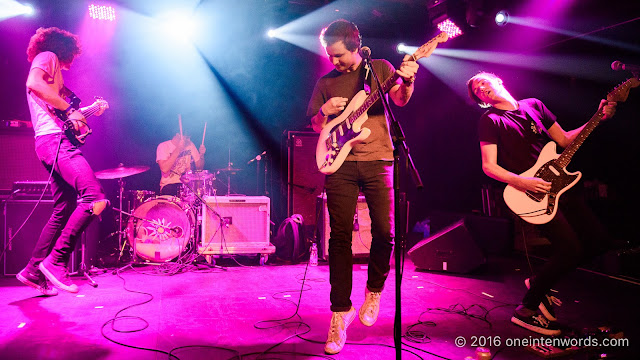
(271,33)
(450,28)
(28,9)
(10,8)
(102,12)
(401,48)
(502,18)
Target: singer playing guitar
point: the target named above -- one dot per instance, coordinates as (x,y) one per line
(512,134)
(368,168)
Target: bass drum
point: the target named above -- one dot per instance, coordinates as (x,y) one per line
(161,228)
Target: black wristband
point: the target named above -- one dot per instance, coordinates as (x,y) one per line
(322,113)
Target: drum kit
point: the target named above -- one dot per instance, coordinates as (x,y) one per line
(160,228)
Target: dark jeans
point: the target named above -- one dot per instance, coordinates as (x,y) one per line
(576,235)
(72,179)
(375,179)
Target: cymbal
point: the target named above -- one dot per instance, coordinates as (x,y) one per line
(229,169)
(120,172)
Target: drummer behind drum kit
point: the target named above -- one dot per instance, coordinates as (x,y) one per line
(161,227)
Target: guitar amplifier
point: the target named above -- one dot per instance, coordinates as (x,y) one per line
(361,236)
(304,181)
(236,225)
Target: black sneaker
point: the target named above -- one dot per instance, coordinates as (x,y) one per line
(58,275)
(37,281)
(546,306)
(537,323)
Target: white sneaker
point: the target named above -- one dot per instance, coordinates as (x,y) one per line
(338,330)
(369,311)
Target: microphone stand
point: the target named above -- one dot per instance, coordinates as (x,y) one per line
(399,143)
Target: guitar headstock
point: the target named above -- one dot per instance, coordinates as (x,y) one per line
(101,102)
(428,48)
(621,92)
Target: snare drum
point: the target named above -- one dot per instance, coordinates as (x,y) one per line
(163,227)
(201,181)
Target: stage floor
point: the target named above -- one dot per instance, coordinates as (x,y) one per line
(248,310)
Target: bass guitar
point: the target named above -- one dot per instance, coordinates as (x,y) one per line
(540,208)
(338,136)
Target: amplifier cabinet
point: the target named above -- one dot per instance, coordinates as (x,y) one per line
(361,237)
(236,225)
(19,249)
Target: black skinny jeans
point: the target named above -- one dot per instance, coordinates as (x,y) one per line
(72,177)
(576,235)
(375,179)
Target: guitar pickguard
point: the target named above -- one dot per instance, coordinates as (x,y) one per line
(559,180)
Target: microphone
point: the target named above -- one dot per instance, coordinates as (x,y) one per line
(258,157)
(618,66)
(365,51)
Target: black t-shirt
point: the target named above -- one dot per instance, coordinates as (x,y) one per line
(520,134)
(336,84)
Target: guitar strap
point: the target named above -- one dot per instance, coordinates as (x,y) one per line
(367,79)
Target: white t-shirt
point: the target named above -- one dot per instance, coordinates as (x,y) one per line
(183,163)
(45,123)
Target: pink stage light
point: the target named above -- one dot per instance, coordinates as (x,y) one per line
(450,28)
(102,12)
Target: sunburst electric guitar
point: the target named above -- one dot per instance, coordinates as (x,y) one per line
(339,135)
(540,208)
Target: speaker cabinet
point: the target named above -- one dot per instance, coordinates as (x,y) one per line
(19,249)
(361,237)
(243,229)
(452,249)
(304,182)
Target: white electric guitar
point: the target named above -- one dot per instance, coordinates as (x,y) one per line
(339,135)
(540,208)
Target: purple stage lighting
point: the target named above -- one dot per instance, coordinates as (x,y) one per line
(102,12)
(450,28)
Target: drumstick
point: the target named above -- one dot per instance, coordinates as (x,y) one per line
(204,132)
(180,123)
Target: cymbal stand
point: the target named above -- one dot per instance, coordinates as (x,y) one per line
(136,218)
(83,270)
(120,226)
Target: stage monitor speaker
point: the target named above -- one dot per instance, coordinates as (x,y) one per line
(19,161)
(244,228)
(304,182)
(361,236)
(452,249)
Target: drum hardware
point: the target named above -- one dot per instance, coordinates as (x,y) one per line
(223,222)
(229,170)
(82,269)
(118,173)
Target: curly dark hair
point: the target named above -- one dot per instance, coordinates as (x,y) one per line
(64,44)
(342,30)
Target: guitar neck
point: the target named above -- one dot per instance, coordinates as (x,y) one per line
(372,98)
(90,110)
(564,159)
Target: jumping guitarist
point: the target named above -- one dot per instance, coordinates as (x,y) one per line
(77,193)
(512,135)
(368,168)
